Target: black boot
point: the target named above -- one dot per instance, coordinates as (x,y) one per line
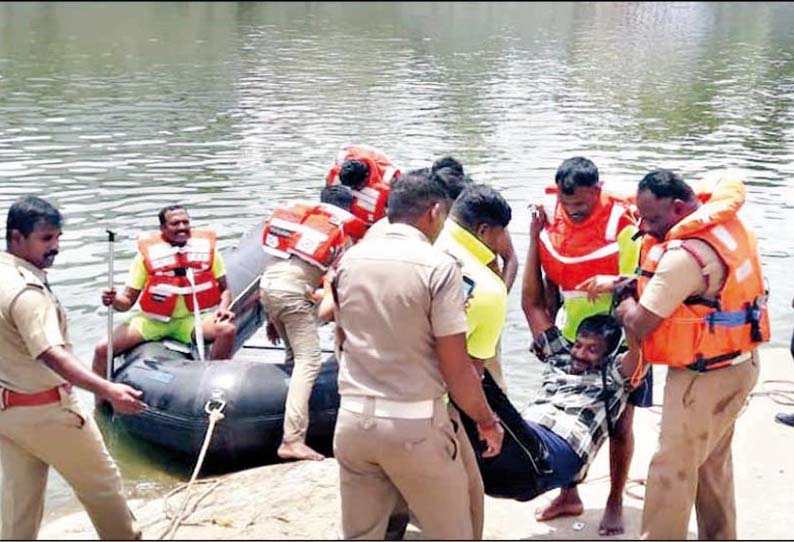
(786,419)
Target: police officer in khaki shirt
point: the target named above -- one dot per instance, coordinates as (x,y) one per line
(41,423)
(400,308)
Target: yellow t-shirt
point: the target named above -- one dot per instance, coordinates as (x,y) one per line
(576,307)
(139,276)
(486,306)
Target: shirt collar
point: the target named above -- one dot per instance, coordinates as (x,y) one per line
(406,231)
(469,241)
(19,262)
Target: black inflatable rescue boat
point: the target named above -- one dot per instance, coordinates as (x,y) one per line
(251,388)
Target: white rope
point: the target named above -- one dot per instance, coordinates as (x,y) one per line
(779,395)
(196,314)
(214,409)
(782,394)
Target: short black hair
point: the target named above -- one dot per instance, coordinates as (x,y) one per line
(413,194)
(576,172)
(663,183)
(354,173)
(339,195)
(604,326)
(167,209)
(447,161)
(481,204)
(454,182)
(29,211)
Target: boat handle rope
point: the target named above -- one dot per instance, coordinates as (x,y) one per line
(214,409)
(199,330)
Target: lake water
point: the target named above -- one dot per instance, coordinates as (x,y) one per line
(113,110)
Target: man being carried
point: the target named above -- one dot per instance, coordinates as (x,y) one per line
(180,274)
(307,238)
(590,234)
(584,392)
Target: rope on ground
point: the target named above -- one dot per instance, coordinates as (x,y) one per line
(631,492)
(628,489)
(779,395)
(214,409)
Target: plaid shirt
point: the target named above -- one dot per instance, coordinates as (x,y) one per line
(572,405)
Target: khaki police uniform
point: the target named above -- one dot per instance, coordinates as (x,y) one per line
(693,462)
(57,434)
(285,289)
(395,295)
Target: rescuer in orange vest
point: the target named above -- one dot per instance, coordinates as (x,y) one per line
(590,233)
(701,312)
(369,173)
(175,269)
(306,239)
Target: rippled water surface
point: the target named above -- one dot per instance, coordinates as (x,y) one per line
(113,110)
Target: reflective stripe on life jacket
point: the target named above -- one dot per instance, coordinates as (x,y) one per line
(166,265)
(573,252)
(315,232)
(369,203)
(708,334)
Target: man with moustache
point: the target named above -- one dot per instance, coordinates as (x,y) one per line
(175,270)
(702,312)
(41,422)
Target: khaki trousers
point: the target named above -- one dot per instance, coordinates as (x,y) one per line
(381,459)
(475,483)
(476,487)
(34,438)
(693,463)
(296,321)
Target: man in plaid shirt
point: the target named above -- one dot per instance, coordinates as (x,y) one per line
(584,391)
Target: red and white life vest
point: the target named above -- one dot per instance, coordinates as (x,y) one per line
(314,232)
(167,265)
(571,252)
(369,203)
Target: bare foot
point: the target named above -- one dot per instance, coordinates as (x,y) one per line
(567,503)
(298,450)
(612,520)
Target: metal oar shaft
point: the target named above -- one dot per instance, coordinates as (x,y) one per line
(111,241)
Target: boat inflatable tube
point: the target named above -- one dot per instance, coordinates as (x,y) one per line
(253,385)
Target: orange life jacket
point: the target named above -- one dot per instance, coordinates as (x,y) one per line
(369,203)
(315,232)
(166,265)
(707,334)
(573,252)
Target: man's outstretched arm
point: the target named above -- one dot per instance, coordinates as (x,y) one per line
(532,298)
